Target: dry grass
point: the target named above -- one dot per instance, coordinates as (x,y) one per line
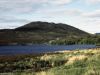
(76,58)
(84,51)
(76,62)
(47,57)
(44,73)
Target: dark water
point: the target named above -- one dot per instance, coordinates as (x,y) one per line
(10,50)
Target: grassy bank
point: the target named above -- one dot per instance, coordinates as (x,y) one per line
(77,62)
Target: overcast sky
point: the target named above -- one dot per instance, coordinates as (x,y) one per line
(83,14)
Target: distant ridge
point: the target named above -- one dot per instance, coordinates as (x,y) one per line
(40,32)
(49,27)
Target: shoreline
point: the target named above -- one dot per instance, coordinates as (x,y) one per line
(55,52)
(48,60)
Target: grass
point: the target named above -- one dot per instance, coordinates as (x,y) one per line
(76,62)
(79,62)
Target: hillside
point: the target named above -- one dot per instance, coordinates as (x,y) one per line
(40,32)
(50,27)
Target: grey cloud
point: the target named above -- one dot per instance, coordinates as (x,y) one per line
(19,6)
(94,14)
(59,11)
(92,1)
(30,3)
(12,20)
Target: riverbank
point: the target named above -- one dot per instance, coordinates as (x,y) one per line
(76,62)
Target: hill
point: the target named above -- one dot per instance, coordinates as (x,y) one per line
(50,27)
(40,32)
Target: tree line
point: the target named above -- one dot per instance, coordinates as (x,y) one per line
(72,40)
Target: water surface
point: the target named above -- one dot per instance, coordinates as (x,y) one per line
(39,48)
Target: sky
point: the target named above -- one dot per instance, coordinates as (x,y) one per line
(82,14)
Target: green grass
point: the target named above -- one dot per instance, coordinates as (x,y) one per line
(78,62)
